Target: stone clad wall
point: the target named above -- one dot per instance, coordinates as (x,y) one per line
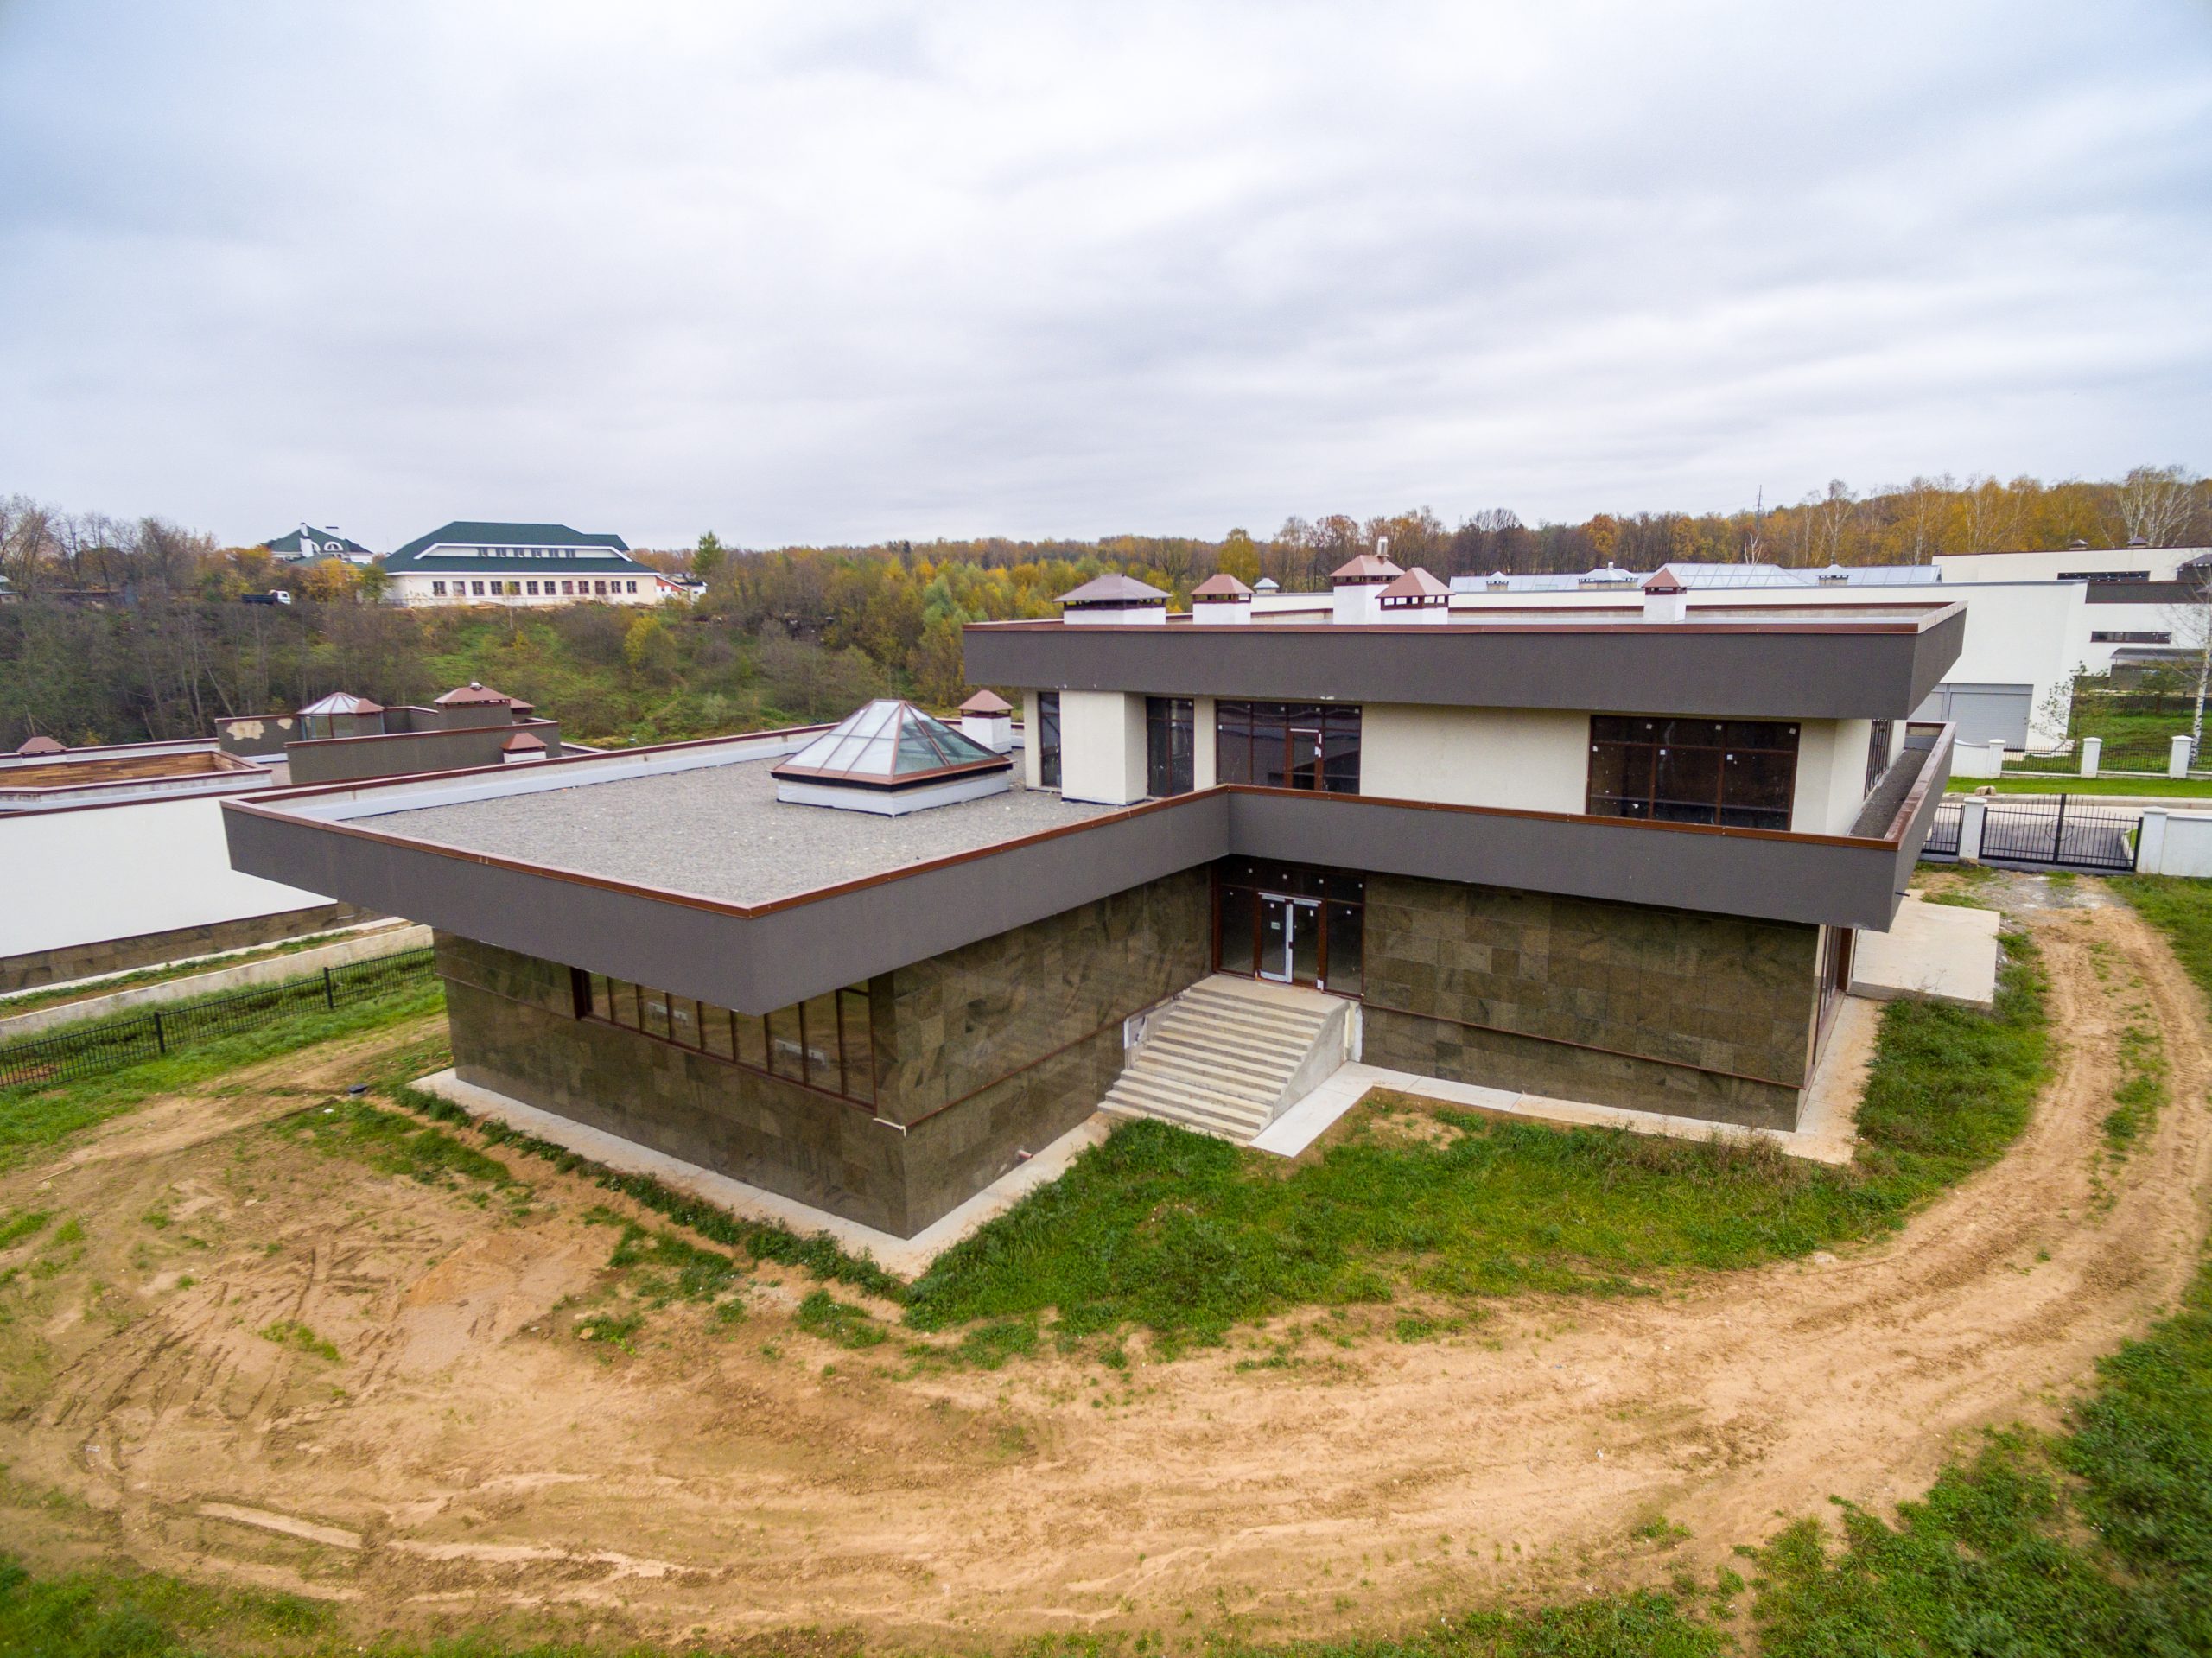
(983,1053)
(1657,1010)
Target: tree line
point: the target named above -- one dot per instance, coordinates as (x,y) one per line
(121,630)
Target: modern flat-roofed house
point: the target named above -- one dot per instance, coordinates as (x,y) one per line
(344,738)
(1618,859)
(475,562)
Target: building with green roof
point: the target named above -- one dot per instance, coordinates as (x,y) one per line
(477,561)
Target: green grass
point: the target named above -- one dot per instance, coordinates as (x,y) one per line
(32,1116)
(2145,788)
(822,1314)
(1189,1236)
(290,1332)
(2181,908)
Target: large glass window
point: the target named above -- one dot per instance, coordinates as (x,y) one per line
(1739,774)
(1170,745)
(824,1042)
(1288,745)
(1048,738)
(1291,923)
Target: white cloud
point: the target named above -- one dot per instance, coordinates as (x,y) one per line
(824,272)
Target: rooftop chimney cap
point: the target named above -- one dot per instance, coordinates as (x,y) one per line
(2078,545)
(1665,579)
(2137,540)
(1220,587)
(1267,584)
(43,746)
(1118,591)
(987,702)
(1416,587)
(342,702)
(1366,568)
(521,743)
(473,693)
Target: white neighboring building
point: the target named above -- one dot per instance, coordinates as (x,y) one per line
(471,561)
(2026,638)
(2132,591)
(306,543)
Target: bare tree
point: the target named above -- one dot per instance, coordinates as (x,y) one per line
(1991,515)
(1832,517)
(1924,501)
(2155,503)
(25,542)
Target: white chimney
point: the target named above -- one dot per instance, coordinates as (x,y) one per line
(1221,601)
(1665,597)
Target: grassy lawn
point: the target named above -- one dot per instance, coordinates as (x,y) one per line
(2141,788)
(24,1001)
(1186,1235)
(31,1116)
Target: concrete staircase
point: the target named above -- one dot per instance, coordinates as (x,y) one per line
(1229,1053)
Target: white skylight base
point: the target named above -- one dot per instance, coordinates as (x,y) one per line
(892,802)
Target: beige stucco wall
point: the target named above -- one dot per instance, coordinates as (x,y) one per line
(1033,730)
(1202,743)
(1831,775)
(1102,746)
(1533,760)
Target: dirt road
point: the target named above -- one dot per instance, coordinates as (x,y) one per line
(456,1457)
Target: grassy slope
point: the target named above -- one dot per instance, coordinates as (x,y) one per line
(2096,1541)
(1188,1236)
(2140,788)
(32,1117)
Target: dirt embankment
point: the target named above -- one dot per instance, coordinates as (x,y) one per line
(456,1457)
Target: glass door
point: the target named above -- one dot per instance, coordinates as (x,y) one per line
(1290,939)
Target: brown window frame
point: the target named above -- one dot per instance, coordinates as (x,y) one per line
(1245,733)
(597,997)
(1636,746)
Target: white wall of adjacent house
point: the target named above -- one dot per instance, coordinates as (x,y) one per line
(1536,759)
(116,872)
(2156,563)
(1102,746)
(1033,752)
(413,589)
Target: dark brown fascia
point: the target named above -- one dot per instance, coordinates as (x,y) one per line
(903,779)
(756,958)
(1798,670)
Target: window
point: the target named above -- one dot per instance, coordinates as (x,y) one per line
(1291,922)
(1169,746)
(1288,745)
(2104,576)
(826,1042)
(568,587)
(1877,752)
(533,587)
(437,589)
(1048,740)
(600,587)
(2130,636)
(476,587)
(1739,774)
(629,587)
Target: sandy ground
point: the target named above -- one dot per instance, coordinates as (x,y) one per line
(465,1453)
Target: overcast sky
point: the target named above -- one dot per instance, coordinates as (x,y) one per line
(829,272)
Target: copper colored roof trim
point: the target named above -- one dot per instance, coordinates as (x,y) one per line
(43,746)
(1221,585)
(1368,567)
(987,702)
(1665,579)
(474,693)
(1415,584)
(521,742)
(1113,590)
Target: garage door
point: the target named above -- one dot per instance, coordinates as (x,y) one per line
(1982,712)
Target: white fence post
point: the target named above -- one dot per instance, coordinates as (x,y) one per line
(2179,752)
(2093,752)
(1972,811)
(1996,758)
(2151,842)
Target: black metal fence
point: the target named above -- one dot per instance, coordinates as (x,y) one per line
(75,1053)
(2144,756)
(2057,832)
(1943,839)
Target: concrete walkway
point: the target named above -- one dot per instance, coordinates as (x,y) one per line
(907,1257)
(1938,951)
(1825,1131)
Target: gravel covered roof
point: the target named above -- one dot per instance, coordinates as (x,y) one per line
(719,832)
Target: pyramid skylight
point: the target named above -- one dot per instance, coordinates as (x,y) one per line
(890,749)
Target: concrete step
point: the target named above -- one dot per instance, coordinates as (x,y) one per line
(1260,1066)
(1189,1111)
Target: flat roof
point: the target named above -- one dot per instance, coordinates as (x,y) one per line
(716,830)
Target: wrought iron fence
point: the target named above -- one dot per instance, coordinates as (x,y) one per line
(1943,839)
(2060,833)
(74,1053)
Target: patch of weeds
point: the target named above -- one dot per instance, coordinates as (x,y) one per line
(290,1332)
(1955,900)
(394,1143)
(729,1314)
(1419,1327)
(987,1346)
(14,1229)
(671,1268)
(129,1614)
(614,1329)
(2142,1090)
(822,1314)
(156,1218)
(1659,1530)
